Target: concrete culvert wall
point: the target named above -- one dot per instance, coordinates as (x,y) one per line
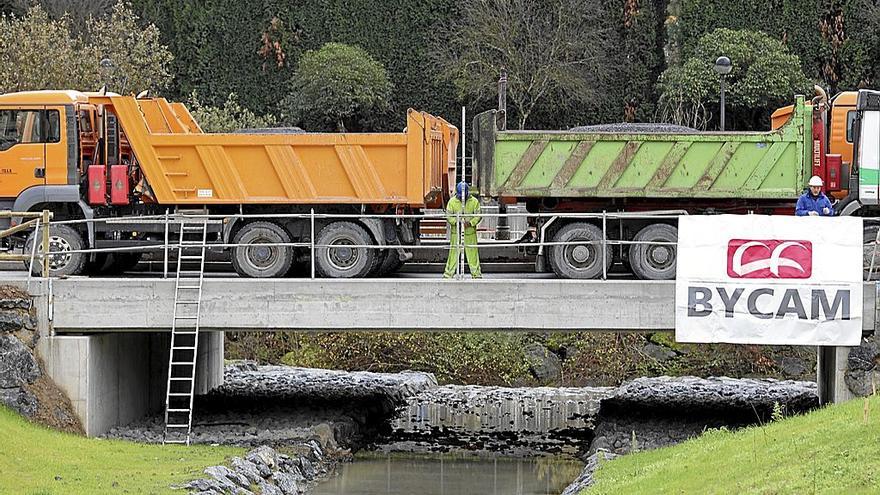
(24,385)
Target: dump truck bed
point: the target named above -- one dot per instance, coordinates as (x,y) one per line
(565,164)
(183,165)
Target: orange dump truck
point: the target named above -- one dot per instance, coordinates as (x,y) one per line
(87,155)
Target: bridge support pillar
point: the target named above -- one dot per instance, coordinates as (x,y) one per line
(830,372)
(115,378)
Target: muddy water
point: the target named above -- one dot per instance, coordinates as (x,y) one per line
(443,474)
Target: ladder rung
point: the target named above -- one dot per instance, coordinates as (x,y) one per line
(193,287)
(183,363)
(186,302)
(179,394)
(179,332)
(178,410)
(190,257)
(181,378)
(186,317)
(176,426)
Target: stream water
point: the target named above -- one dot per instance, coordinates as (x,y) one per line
(445,474)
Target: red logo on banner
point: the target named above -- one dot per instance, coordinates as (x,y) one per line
(769,258)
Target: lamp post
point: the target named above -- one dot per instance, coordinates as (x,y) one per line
(723,68)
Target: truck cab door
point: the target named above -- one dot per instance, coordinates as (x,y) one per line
(22,150)
(62,167)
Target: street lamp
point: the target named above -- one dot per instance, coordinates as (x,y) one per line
(723,68)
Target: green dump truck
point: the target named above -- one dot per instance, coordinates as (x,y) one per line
(564,172)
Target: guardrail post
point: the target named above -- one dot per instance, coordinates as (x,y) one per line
(312,241)
(604,245)
(165,260)
(46,216)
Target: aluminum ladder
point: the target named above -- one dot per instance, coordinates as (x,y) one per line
(180,389)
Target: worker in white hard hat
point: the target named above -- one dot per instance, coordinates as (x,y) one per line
(813,201)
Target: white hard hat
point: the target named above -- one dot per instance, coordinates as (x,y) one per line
(816,181)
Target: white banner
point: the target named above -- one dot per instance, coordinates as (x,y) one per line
(758,279)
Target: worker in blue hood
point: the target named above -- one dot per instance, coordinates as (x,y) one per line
(463,207)
(813,202)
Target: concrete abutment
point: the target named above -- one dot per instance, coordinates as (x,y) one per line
(115,378)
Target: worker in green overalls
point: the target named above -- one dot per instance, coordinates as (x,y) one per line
(470,218)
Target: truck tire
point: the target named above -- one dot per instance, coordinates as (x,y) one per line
(579,261)
(256,261)
(654,261)
(869,246)
(62,239)
(390,264)
(343,262)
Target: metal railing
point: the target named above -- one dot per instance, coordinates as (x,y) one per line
(540,242)
(36,220)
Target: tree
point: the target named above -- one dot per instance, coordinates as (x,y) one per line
(551,50)
(336,87)
(230,117)
(79,10)
(38,52)
(765,76)
(139,60)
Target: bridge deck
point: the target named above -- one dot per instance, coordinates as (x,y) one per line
(89,305)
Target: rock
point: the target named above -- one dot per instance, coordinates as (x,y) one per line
(658,352)
(19,400)
(17,365)
(267,488)
(585,480)
(263,455)
(863,367)
(7,303)
(247,469)
(286,483)
(307,469)
(229,479)
(11,322)
(791,366)
(543,364)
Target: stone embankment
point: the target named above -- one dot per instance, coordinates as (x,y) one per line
(266,471)
(24,387)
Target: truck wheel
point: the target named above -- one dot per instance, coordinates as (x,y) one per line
(581,261)
(62,240)
(341,261)
(390,264)
(654,261)
(869,246)
(257,260)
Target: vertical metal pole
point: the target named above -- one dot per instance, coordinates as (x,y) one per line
(459,223)
(722,102)
(312,241)
(46,243)
(502,101)
(604,246)
(165,261)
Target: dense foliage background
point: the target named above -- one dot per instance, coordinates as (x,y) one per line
(252,48)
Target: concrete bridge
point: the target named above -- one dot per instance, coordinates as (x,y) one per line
(106,340)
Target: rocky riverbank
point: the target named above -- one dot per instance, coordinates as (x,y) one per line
(325,415)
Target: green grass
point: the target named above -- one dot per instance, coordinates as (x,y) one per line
(832,450)
(31,457)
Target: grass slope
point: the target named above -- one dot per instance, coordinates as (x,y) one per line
(36,460)
(832,450)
